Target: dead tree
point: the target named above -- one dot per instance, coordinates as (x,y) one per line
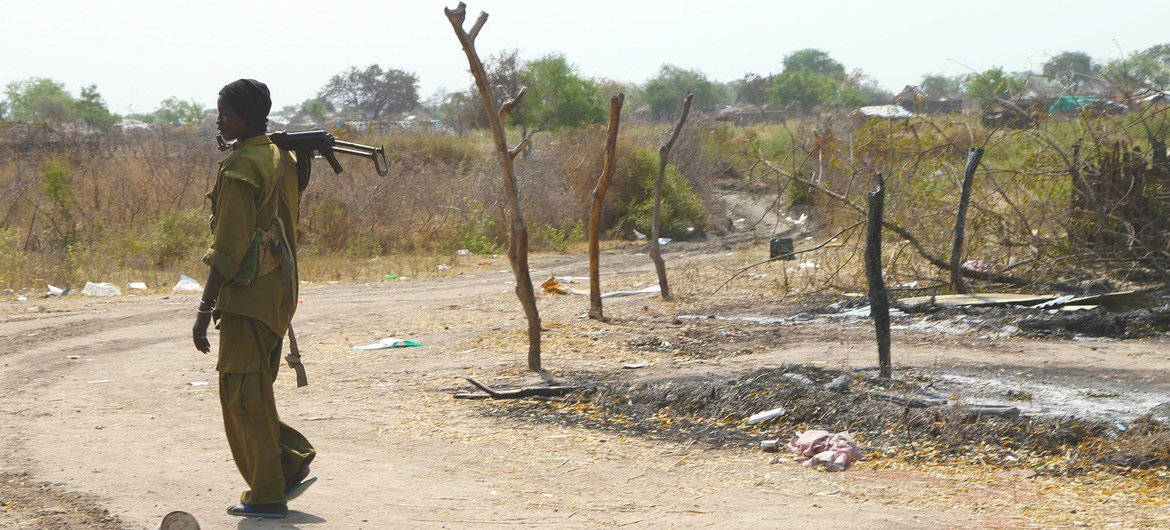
(615,111)
(656,228)
(974,155)
(518,234)
(879,301)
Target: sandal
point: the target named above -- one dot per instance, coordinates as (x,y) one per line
(276,510)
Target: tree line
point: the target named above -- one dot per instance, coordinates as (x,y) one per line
(560,96)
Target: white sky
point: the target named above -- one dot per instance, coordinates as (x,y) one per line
(139,52)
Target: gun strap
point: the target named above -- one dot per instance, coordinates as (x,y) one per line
(294,358)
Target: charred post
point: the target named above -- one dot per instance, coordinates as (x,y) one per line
(879,301)
(974,155)
(656,228)
(518,233)
(615,111)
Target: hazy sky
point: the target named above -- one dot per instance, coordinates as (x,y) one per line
(139,52)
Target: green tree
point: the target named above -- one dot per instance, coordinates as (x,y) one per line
(993,84)
(92,109)
(557,97)
(942,86)
(751,89)
(665,92)
(372,93)
(1140,72)
(174,111)
(1070,69)
(816,61)
(803,88)
(41,100)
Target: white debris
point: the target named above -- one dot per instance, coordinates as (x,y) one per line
(799,220)
(56,291)
(100,289)
(140,286)
(442,267)
(187,283)
(664,240)
(463,252)
(766,415)
(22,298)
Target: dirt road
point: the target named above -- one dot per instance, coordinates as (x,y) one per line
(105,405)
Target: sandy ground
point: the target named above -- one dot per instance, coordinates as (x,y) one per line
(106,406)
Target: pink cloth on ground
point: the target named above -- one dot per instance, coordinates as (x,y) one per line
(834,451)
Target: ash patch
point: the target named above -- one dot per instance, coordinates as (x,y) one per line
(713,410)
(28,503)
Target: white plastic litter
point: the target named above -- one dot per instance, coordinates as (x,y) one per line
(385,343)
(442,267)
(664,240)
(100,289)
(648,290)
(808,266)
(22,298)
(765,415)
(187,283)
(141,286)
(56,291)
(638,234)
(463,252)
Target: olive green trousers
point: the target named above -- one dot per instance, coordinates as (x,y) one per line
(264,448)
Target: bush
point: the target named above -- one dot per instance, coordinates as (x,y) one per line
(681,207)
(556,238)
(176,236)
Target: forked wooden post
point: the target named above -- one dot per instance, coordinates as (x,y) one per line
(518,234)
(879,301)
(615,113)
(656,228)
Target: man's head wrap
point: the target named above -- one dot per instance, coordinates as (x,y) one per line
(251,101)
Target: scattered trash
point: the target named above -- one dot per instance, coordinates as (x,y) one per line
(57,291)
(485,263)
(187,283)
(781,248)
(739,224)
(664,240)
(552,285)
(885,112)
(977,265)
(388,342)
(100,289)
(635,366)
(178,520)
(74,357)
(799,379)
(808,266)
(765,415)
(648,290)
(22,298)
(798,221)
(99,381)
(390,277)
(637,234)
(462,252)
(442,267)
(834,451)
(198,383)
(770,446)
(140,286)
(840,384)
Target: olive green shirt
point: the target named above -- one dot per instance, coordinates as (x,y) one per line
(255,181)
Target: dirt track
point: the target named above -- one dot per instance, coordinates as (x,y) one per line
(97,406)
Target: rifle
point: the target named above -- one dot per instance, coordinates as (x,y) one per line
(308,145)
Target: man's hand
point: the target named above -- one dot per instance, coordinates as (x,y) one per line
(199,332)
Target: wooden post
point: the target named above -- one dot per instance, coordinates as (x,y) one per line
(615,112)
(656,228)
(518,234)
(879,302)
(974,155)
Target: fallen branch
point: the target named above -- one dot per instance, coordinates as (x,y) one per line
(531,391)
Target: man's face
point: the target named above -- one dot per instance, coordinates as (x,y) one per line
(231,126)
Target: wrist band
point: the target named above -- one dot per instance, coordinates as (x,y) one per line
(202,312)
(205,302)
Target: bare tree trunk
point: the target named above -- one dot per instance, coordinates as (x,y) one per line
(656,228)
(615,112)
(974,155)
(879,301)
(518,234)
